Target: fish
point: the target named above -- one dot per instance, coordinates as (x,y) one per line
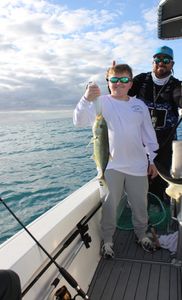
(100,146)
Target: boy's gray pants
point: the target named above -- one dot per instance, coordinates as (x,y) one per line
(136,188)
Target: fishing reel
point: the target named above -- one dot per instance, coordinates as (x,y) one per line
(64,294)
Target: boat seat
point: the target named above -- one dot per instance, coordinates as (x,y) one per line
(9,285)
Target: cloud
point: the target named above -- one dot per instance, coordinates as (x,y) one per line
(49,52)
(150,16)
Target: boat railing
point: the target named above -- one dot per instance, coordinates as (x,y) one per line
(64,232)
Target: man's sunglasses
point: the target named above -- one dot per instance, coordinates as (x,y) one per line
(164,60)
(119,79)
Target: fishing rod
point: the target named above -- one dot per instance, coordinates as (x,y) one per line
(67,276)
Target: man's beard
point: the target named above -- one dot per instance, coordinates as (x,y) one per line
(162,73)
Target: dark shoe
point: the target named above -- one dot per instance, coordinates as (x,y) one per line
(106,250)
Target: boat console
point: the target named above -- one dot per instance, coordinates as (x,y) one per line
(170,19)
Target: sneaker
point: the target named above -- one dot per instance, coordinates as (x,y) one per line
(106,250)
(147,244)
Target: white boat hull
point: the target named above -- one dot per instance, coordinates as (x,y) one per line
(21,254)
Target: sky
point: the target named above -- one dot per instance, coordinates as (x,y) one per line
(50,49)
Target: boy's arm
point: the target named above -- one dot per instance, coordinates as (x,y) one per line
(84,113)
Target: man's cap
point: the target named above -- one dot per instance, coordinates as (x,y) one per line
(165,51)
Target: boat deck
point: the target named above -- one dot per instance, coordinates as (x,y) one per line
(136,275)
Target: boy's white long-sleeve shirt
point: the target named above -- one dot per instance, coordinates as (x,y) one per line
(130,130)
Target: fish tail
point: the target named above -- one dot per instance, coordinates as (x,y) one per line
(103,187)
(102,182)
(101,177)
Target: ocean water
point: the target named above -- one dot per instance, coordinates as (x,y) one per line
(43,159)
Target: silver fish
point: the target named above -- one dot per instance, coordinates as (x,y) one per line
(100,146)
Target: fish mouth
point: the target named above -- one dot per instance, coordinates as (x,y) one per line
(99,117)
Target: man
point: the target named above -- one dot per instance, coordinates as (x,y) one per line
(161,91)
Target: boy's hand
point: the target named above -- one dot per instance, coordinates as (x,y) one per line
(152,171)
(92,92)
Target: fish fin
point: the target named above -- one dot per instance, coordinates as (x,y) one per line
(92,157)
(100,174)
(92,140)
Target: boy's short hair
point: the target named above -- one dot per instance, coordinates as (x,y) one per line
(120,68)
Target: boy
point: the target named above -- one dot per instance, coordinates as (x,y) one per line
(131,138)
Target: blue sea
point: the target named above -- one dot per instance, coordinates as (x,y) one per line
(43,159)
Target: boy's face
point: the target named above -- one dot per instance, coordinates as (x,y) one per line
(119,84)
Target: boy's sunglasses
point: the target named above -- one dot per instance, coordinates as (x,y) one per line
(164,60)
(119,79)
